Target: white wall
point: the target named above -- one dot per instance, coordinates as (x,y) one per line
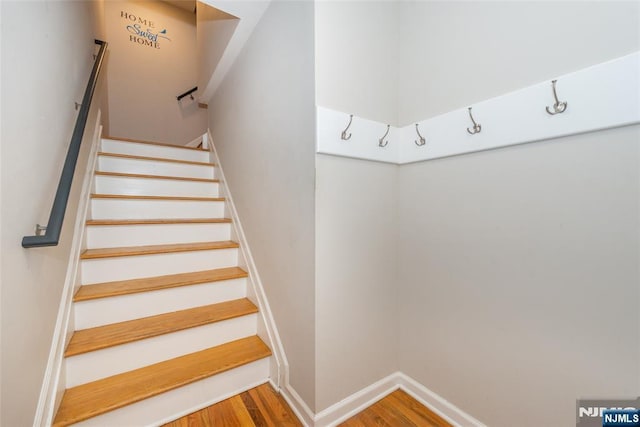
(356,277)
(262,122)
(455,53)
(518,267)
(43,73)
(357,58)
(214,30)
(144,80)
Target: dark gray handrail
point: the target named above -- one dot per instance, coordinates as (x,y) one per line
(189,92)
(56,217)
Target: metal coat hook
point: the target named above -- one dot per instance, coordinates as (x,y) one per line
(422,139)
(381,141)
(558,107)
(476,126)
(77,104)
(344,135)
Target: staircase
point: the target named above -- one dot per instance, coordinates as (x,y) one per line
(163,325)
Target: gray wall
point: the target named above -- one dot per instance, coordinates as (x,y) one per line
(455,53)
(519,276)
(356,277)
(262,119)
(43,73)
(356,216)
(518,267)
(357,58)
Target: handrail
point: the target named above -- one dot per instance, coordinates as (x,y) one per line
(56,217)
(187,93)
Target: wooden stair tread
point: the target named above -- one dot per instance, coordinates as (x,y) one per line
(95,398)
(158,221)
(139,175)
(155,159)
(139,197)
(162,144)
(156,249)
(86,340)
(125,287)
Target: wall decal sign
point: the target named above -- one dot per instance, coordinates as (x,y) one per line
(142,31)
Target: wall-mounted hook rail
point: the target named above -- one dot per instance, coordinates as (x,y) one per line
(422,139)
(344,135)
(476,126)
(381,141)
(558,107)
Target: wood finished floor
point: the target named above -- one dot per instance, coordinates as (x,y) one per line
(396,410)
(264,407)
(260,406)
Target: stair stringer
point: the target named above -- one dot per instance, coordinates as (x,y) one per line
(267,329)
(53,383)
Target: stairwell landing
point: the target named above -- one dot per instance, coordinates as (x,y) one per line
(164,321)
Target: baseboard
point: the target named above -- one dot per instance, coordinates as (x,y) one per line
(298,405)
(350,406)
(436,403)
(358,401)
(52,383)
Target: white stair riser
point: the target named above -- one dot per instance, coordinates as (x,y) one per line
(99,364)
(173,404)
(154,187)
(104,311)
(135,267)
(153,167)
(151,150)
(113,236)
(152,209)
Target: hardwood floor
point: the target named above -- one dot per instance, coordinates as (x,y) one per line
(263,407)
(260,406)
(396,410)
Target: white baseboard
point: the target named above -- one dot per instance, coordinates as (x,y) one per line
(53,382)
(436,403)
(350,406)
(358,401)
(298,405)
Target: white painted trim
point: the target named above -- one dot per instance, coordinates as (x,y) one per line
(436,403)
(282,365)
(298,405)
(53,383)
(358,401)
(599,97)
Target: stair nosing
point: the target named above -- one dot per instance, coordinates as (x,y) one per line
(240,357)
(161,144)
(147,176)
(155,221)
(155,159)
(143,197)
(135,326)
(121,251)
(188,279)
